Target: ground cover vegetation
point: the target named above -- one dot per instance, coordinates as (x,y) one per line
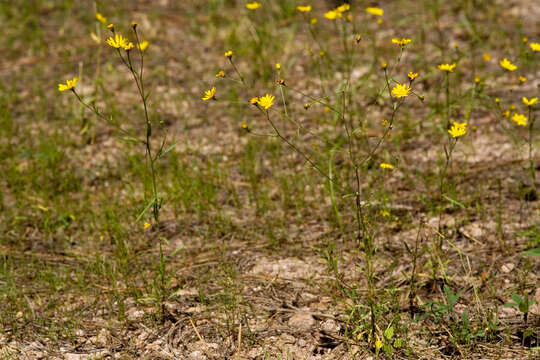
(269,179)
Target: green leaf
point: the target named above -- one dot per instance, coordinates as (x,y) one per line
(518,299)
(145,209)
(389,333)
(532,252)
(510,304)
(162,153)
(455,202)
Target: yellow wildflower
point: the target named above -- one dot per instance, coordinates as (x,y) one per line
(343,8)
(228,54)
(447,67)
(146,225)
(375,11)
(386,166)
(530,102)
(486,57)
(220,74)
(412,75)
(266,101)
(133,24)
(313,21)
(378,344)
(384,64)
(321,53)
(253,5)
(477,79)
(129,46)
(254,100)
(401,42)
(535,47)
(458,129)
(210,94)
(522,79)
(118,41)
(497,100)
(70,84)
(512,107)
(102,19)
(143,45)
(110,27)
(525,39)
(332,15)
(244,125)
(506,64)
(305,8)
(358,38)
(278,66)
(385,213)
(401,90)
(506,113)
(520,119)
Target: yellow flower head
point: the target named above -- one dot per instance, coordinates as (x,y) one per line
(477,79)
(278,66)
(253,5)
(266,101)
(458,129)
(530,102)
(522,79)
(220,74)
(110,27)
(447,67)
(401,42)
(384,64)
(313,21)
(386,166)
(244,125)
(412,75)
(401,90)
(306,8)
(486,57)
(143,45)
(102,19)
(375,11)
(535,47)
(520,119)
(146,225)
(228,54)
(385,213)
(118,41)
(254,101)
(343,8)
(70,84)
(332,15)
(507,65)
(129,46)
(210,94)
